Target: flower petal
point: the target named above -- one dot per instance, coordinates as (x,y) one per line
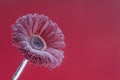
(40,21)
(23,21)
(36,56)
(57,45)
(18,28)
(19,36)
(30,22)
(58,55)
(36,21)
(39,25)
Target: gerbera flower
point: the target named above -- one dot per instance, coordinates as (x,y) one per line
(39,39)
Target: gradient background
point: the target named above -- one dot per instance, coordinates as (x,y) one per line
(92,31)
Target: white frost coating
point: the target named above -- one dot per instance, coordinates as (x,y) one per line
(39,25)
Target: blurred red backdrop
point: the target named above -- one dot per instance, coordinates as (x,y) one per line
(92,32)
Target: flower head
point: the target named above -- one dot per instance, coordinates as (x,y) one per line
(39,39)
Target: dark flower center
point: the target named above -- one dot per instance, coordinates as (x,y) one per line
(37,42)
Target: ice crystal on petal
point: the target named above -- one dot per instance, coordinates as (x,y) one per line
(39,39)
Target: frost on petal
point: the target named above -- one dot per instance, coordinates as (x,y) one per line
(37,57)
(24,22)
(31,32)
(36,20)
(18,28)
(30,23)
(54,36)
(57,45)
(50,58)
(49,31)
(39,22)
(58,56)
(45,27)
(17,38)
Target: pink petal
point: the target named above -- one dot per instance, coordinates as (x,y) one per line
(39,25)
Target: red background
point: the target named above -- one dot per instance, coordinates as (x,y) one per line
(92,32)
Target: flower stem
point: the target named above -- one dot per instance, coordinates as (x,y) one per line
(20,69)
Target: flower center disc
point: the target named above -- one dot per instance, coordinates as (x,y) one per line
(37,42)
